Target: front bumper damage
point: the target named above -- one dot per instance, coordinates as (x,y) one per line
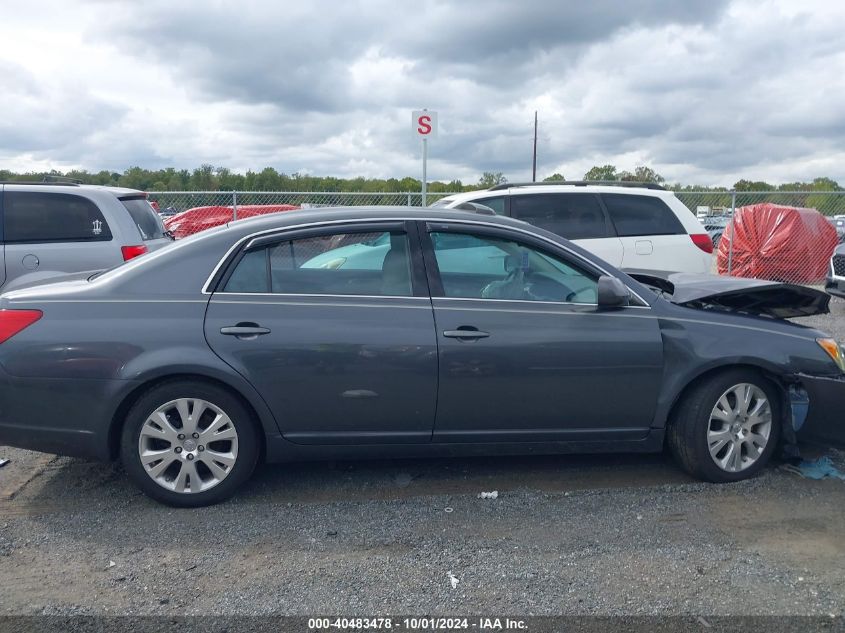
(817,405)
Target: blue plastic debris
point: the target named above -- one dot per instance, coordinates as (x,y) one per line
(817,469)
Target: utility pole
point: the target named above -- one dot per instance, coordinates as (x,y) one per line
(534,162)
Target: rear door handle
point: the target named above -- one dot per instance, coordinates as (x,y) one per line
(244,330)
(467,333)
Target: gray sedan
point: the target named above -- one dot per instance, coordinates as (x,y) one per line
(404,332)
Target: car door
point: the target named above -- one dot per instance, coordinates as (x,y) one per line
(334,328)
(575,216)
(52,232)
(525,355)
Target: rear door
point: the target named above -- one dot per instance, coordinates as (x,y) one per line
(575,216)
(652,236)
(49,231)
(334,328)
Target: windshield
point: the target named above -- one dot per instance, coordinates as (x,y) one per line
(146,219)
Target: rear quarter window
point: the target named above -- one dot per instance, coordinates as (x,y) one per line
(641,215)
(145,218)
(52,217)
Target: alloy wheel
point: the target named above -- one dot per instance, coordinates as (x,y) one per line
(740,427)
(188,445)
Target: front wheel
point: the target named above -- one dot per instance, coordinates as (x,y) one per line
(726,428)
(189,443)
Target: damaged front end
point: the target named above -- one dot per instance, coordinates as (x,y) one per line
(734,294)
(817,404)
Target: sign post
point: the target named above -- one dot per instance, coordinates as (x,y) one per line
(424,126)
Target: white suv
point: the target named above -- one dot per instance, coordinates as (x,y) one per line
(629,225)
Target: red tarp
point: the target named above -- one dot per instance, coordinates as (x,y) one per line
(770,241)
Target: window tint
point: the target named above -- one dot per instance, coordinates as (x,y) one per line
(641,215)
(146,219)
(343,263)
(476,266)
(52,217)
(573,215)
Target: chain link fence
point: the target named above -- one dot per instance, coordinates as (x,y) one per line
(780,235)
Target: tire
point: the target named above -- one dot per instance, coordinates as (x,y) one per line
(697,424)
(178,469)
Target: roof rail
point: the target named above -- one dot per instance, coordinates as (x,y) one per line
(65,180)
(39,183)
(581,183)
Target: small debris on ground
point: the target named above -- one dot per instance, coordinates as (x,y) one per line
(453,579)
(3,462)
(489,495)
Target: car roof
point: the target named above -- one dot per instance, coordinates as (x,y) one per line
(631,189)
(307,216)
(119,192)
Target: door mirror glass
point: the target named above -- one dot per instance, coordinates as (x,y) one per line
(612,293)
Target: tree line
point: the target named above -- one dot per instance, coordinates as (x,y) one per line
(210,178)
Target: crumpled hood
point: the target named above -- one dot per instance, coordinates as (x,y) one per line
(736,294)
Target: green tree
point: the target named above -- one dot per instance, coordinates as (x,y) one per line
(753,185)
(643,173)
(491,179)
(602,172)
(554,177)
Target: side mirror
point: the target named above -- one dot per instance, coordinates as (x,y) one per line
(612,293)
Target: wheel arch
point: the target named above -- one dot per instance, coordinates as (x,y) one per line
(772,377)
(119,417)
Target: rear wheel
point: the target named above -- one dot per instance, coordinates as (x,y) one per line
(727,427)
(189,443)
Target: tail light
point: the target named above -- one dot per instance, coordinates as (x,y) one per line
(13,321)
(132,251)
(703,241)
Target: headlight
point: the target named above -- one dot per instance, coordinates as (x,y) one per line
(833,350)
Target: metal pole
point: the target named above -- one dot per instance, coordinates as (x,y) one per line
(733,233)
(425,167)
(534,162)
(409,199)
(234,206)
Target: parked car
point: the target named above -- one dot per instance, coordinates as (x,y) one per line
(202,218)
(839,224)
(715,227)
(835,282)
(56,228)
(629,225)
(470,334)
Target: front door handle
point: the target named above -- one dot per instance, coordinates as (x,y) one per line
(466,333)
(244,331)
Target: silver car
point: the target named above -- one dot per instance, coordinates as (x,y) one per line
(52,229)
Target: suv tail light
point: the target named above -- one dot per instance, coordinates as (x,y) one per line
(703,241)
(132,251)
(13,321)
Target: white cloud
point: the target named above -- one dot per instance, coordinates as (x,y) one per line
(704,93)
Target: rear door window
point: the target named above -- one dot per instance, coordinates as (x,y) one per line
(145,218)
(371,264)
(641,215)
(52,217)
(575,216)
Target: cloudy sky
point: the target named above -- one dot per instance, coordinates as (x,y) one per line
(705,91)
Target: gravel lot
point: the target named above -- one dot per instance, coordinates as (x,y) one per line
(567,535)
